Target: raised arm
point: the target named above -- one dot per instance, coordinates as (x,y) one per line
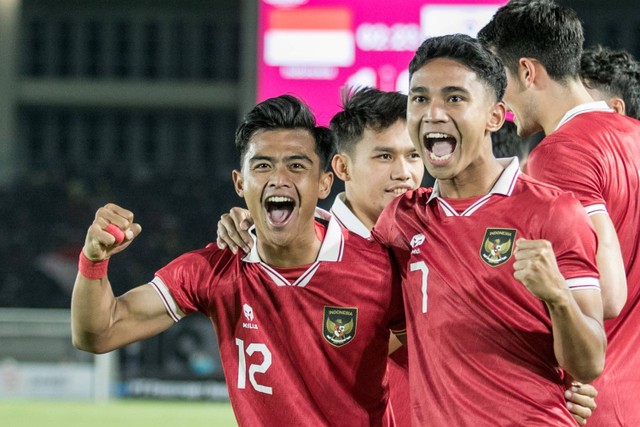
(100,322)
(578,333)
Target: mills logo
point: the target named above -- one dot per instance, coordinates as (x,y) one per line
(416,241)
(249,316)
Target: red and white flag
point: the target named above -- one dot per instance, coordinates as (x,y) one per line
(317,37)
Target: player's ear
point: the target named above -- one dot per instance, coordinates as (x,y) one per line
(528,71)
(326,180)
(238,183)
(496,116)
(341,164)
(618,105)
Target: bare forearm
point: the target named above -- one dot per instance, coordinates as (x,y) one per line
(92,308)
(579,340)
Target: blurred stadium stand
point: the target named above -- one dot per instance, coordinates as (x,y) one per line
(134,102)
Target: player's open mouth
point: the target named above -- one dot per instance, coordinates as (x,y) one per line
(439,146)
(279,209)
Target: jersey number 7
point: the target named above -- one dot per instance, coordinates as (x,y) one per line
(424,270)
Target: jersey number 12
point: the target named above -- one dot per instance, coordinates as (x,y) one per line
(253,368)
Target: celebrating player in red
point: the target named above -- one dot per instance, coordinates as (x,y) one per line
(479,333)
(300,343)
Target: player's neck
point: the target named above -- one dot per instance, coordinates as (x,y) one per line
(476,180)
(303,250)
(558,100)
(361,214)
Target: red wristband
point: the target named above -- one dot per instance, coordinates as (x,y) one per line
(90,269)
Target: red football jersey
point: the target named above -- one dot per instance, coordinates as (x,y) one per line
(299,346)
(397,364)
(596,155)
(480,344)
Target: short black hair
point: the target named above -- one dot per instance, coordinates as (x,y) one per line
(539,29)
(285,112)
(366,108)
(614,72)
(467,51)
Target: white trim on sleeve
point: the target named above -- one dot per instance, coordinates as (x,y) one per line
(596,209)
(167,299)
(583,283)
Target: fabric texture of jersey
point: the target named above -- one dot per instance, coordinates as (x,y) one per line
(595,153)
(300,346)
(398,361)
(482,341)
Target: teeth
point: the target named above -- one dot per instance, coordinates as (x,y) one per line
(399,191)
(437,135)
(445,157)
(279,199)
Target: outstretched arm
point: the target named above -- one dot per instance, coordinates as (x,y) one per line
(100,322)
(578,333)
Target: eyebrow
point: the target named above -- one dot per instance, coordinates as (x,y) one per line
(446,89)
(449,89)
(382,149)
(299,157)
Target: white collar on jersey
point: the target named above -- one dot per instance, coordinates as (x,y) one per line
(331,249)
(584,108)
(347,218)
(504,185)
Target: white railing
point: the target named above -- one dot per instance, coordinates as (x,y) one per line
(37,359)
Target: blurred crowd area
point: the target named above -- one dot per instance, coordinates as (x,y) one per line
(45,218)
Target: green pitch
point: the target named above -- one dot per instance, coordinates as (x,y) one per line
(135,413)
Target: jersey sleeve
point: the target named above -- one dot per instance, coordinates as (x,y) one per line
(188,281)
(397,322)
(384,230)
(574,242)
(572,167)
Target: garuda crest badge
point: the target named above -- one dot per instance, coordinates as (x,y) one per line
(497,246)
(339,325)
